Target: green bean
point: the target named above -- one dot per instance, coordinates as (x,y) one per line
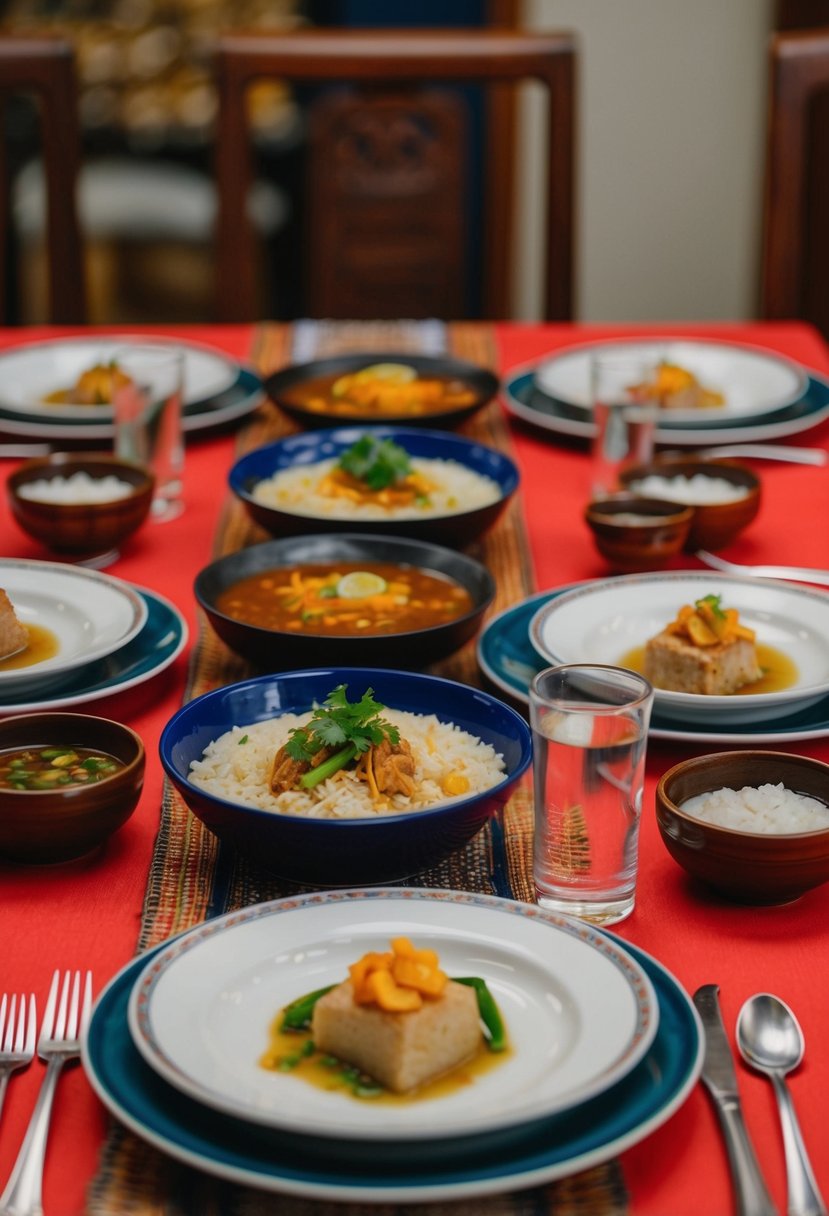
(297,1015)
(490,1015)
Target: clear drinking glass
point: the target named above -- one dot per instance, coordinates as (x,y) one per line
(624,414)
(590,726)
(147,416)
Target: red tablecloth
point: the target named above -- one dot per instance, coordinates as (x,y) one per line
(87,914)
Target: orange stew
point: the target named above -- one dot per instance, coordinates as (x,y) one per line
(345,599)
(347,396)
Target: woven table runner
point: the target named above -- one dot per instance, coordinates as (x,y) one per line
(192,878)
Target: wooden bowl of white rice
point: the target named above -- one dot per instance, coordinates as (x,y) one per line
(751,825)
(218,751)
(725,495)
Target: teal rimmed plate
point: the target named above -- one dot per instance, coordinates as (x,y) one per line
(442,1169)
(160,641)
(523,400)
(233,403)
(508,659)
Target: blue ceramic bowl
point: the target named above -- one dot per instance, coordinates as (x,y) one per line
(346,852)
(310,447)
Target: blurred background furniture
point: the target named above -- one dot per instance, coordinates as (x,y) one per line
(795,265)
(146,110)
(385,221)
(43,69)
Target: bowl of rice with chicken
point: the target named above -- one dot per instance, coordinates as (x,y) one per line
(751,825)
(344,776)
(429,485)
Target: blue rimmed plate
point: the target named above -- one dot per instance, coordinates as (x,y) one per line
(439,1169)
(753,382)
(199,1009)
(525,401)
(160,641)
(238,399)
(508,659)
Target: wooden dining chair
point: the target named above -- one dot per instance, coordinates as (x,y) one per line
(44,68)
(795,257)
(386,226)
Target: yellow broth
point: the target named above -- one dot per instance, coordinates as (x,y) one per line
(42,645)
(778,670)
(305,599)
(49,768)
(324,1072)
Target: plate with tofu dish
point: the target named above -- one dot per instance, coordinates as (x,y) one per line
(74,378)
(696,382)
(55,619)
(717,650)
(392,1014)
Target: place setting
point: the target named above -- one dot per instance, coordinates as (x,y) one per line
(73,635)
(609,1074)
(62,389)
(712,392)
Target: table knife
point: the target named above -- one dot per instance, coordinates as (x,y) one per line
(720,1079)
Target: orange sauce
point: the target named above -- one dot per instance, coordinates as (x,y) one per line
(314,1070)
(779,671)
(305,599)
(43,645)
(380,397)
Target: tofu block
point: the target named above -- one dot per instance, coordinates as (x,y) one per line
(13,635)
(673,663)
(400,1050)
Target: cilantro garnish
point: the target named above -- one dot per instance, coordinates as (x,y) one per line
(377,462)
(714,605)
(350,726)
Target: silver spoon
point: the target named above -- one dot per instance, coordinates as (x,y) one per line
(771,1041)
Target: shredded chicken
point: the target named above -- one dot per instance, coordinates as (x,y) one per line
(388,768)
(286,772)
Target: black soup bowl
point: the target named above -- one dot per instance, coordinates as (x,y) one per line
(455,528)
(289,389)
(342,852)
(281,650)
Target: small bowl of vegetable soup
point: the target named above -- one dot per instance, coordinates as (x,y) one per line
(67,782)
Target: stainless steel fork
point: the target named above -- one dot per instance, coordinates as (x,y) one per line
(59,1043)
(17,1038)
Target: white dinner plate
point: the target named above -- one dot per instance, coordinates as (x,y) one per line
(603,622)
(90,614)
(28,373)
(579,1011)
(753,381)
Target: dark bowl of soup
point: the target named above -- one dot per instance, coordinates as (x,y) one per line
(67,782)
(416,390)
(349,598)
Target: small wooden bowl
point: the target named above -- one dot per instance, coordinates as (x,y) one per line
(751,868)
(715,524)
(638,533)
(81,530)
(48,826)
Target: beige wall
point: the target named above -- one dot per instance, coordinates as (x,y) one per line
(670,137)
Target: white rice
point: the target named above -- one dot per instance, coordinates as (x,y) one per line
(771,809)
(694,491)
(457,489)
(80,488)
(237,766)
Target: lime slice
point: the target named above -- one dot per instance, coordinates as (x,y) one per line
(392,373)
(360,584)
(389,373)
